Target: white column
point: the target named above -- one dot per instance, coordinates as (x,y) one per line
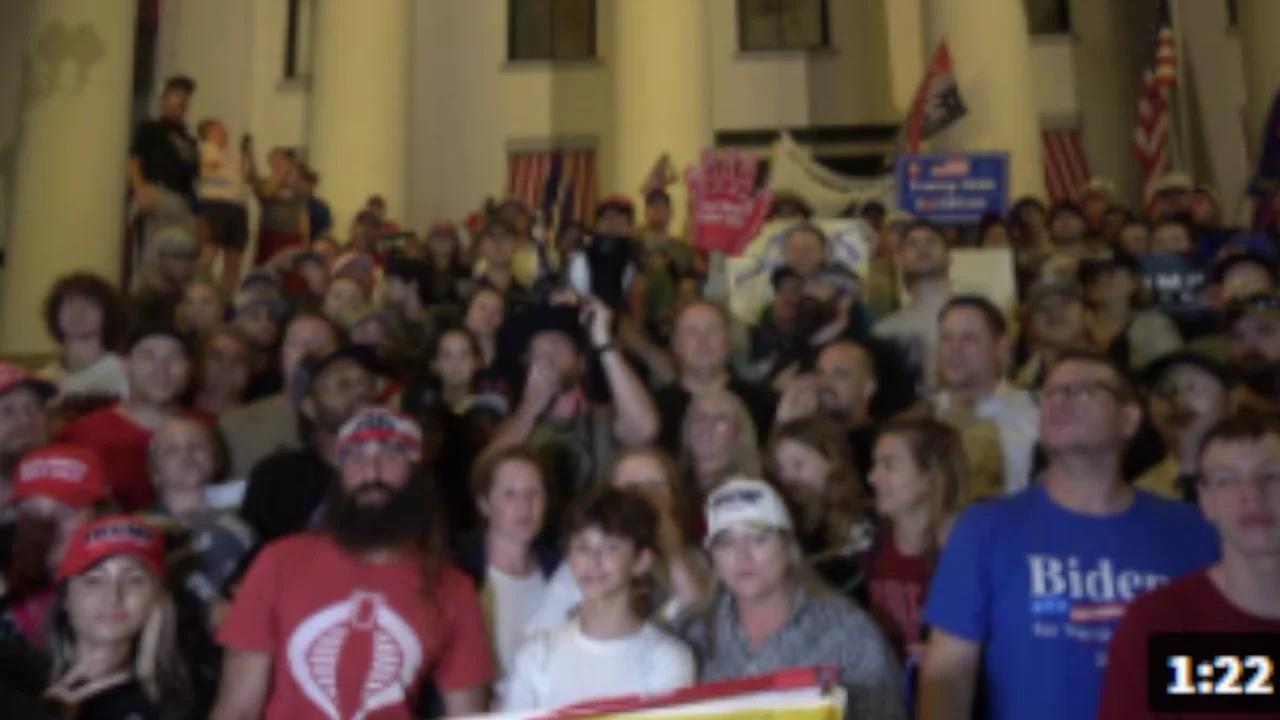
(991,56)
(1259,24)
(359,115)
(662,90)
(72,159)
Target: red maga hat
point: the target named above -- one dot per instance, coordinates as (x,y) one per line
(96,541)
(12,376)
(70,474)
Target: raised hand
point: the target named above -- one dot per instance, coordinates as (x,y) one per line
(726,209)
(541,386)
(800,399)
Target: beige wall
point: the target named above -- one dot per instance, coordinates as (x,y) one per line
(235,49)
(471,105)
(848,84)
(14,16)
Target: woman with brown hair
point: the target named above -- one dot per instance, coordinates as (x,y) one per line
(811,462)
(682,578)
(919,474)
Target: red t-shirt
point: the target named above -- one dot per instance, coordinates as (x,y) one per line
(898,584)
(350,638)
(1189,604)
(122,445)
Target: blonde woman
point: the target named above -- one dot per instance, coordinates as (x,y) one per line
(717,441)
(919,473)
(114,635)
(765,615)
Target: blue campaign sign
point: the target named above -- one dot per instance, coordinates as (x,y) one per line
(957,188)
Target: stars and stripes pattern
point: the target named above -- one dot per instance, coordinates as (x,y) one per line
(1065,168)
(1152,134)
(559,182)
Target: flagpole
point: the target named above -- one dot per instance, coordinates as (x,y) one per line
(1182,95)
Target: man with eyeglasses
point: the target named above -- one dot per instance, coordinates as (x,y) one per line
(1189,393)
(1239,488)
(1030,587)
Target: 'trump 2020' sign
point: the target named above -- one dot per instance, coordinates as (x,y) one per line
(953,188)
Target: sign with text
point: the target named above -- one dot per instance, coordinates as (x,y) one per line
(953,189)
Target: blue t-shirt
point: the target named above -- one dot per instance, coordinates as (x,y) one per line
(1042,588)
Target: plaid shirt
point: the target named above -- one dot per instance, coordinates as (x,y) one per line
(824,629)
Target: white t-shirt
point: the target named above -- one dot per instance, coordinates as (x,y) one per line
(560,599)
(515,600)
(106,376)
(221,174)
(564,667)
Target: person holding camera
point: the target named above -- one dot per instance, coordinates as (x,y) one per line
(573,431)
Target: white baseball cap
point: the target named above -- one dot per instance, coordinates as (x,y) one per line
(745,502)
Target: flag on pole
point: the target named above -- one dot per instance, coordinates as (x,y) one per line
(662,174)
(1152,133)
(937,102)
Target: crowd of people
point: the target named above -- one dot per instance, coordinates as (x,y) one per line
(368,472)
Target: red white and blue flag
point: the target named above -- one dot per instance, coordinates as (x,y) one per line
(1152,134)
(937,102)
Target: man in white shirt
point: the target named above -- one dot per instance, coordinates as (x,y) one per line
(925,261)
(973,346)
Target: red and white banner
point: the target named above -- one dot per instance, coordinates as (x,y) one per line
(937,102)
(1066,169)
(573,176)
(804,693)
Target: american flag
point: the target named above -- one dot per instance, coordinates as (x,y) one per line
(1065,168)
(562,182)
(1151,136)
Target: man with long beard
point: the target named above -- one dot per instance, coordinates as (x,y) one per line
(349,620)
(1255,351)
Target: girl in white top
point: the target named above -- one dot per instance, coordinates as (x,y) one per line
(511,495)
(607,649)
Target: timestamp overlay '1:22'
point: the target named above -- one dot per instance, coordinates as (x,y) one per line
(1213,672)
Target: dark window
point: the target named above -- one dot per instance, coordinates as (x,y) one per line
(297,44)
(551,29)
(782,25)
(1048,17)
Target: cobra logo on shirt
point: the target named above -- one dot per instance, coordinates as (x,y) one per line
(354,657)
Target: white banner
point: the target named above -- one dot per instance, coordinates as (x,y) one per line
(750,273)
(793,168)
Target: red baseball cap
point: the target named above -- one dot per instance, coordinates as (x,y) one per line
(617,201)
(70,474)
(96,541)
(12,376)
